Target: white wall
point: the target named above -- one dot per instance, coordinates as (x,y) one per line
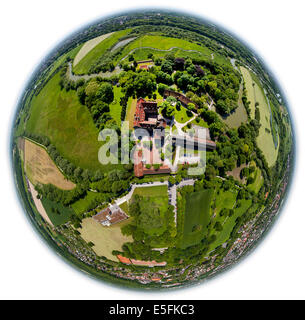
(29,29)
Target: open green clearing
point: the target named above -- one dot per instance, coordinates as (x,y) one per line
(115,107)
(156,191)
(93,56)
(105,239)
(258,179)
(60,116)
(228,224)
(81,205)
(181,115)
(225,199)
(255,94)
(239,116)
(57,213)
(196,217)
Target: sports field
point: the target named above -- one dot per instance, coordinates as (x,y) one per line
(196,217)
(93,56)
(60,116)
(40,168)
(105,239)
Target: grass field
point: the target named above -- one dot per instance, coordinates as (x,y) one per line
(249,88)
(255,94)
(196,217)
(93,56)
(57,218)
(239,116)
(225,199)
(156,191)
(105,239)
(115,107)
(124,207)
(265,139)
(59,115)
(166,43)
(81,205)
(40,168)
(181,115)
(229,223)
(88,46)
(258,180)
(131,109)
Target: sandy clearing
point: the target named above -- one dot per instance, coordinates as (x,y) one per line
(39,205)
(40,168)
(88,46)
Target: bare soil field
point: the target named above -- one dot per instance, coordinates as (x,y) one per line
(40,168)
(88,46)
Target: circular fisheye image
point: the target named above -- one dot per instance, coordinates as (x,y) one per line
(152,149)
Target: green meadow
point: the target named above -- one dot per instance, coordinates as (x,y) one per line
(59,115)
(196,217)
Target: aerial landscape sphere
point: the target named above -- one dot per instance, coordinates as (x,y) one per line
(152,149)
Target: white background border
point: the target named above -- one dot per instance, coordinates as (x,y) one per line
(29,29)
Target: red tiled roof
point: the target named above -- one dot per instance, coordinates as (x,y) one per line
(123,259)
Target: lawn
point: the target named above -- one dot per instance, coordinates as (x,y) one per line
(60,116)
(181,115)
(156,191)
(81,205)
(201,123)
(57,213)
(249,88)
(105,239)
(239,116)
(265,139)
(196,217)
(255,94)
(225,199)
(258,180)
(94,55)
(131,109)
(229,223)
(40,168)
(115,107)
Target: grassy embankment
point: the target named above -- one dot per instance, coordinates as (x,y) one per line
(165,43)
(93,56)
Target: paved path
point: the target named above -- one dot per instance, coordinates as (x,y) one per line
(108,74)
(172,193)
